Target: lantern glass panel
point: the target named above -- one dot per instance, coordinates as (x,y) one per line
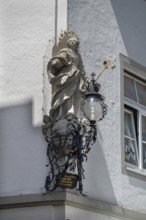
(93,108)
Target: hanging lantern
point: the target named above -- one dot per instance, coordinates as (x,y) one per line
(94,107)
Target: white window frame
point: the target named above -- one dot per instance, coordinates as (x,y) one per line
(137,72)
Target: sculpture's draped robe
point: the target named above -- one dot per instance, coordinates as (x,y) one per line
(68,83)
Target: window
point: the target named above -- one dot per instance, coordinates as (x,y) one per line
(134,118)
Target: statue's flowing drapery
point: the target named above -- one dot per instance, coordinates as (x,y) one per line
(67,77)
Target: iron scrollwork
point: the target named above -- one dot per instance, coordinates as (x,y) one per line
(68,151)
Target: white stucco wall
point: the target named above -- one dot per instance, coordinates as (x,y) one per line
(25,30)
(28,31)
(107,28)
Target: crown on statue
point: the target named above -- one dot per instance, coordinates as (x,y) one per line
(65,36)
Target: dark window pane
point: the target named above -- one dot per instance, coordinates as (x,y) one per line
(143,128)
(129,89)
(141,91)
(128,125)
(144,156)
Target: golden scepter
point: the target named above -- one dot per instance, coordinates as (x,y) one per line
(106,64)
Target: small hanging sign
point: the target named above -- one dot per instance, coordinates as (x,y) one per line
(69,181)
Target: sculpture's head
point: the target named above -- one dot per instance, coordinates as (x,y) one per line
(73,43)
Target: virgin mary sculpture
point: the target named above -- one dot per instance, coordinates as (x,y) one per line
(68,80)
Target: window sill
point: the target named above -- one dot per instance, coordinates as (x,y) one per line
(138,171)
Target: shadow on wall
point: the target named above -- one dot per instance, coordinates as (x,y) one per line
(98,184)
(22,152)
(131,17)
(23,158)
